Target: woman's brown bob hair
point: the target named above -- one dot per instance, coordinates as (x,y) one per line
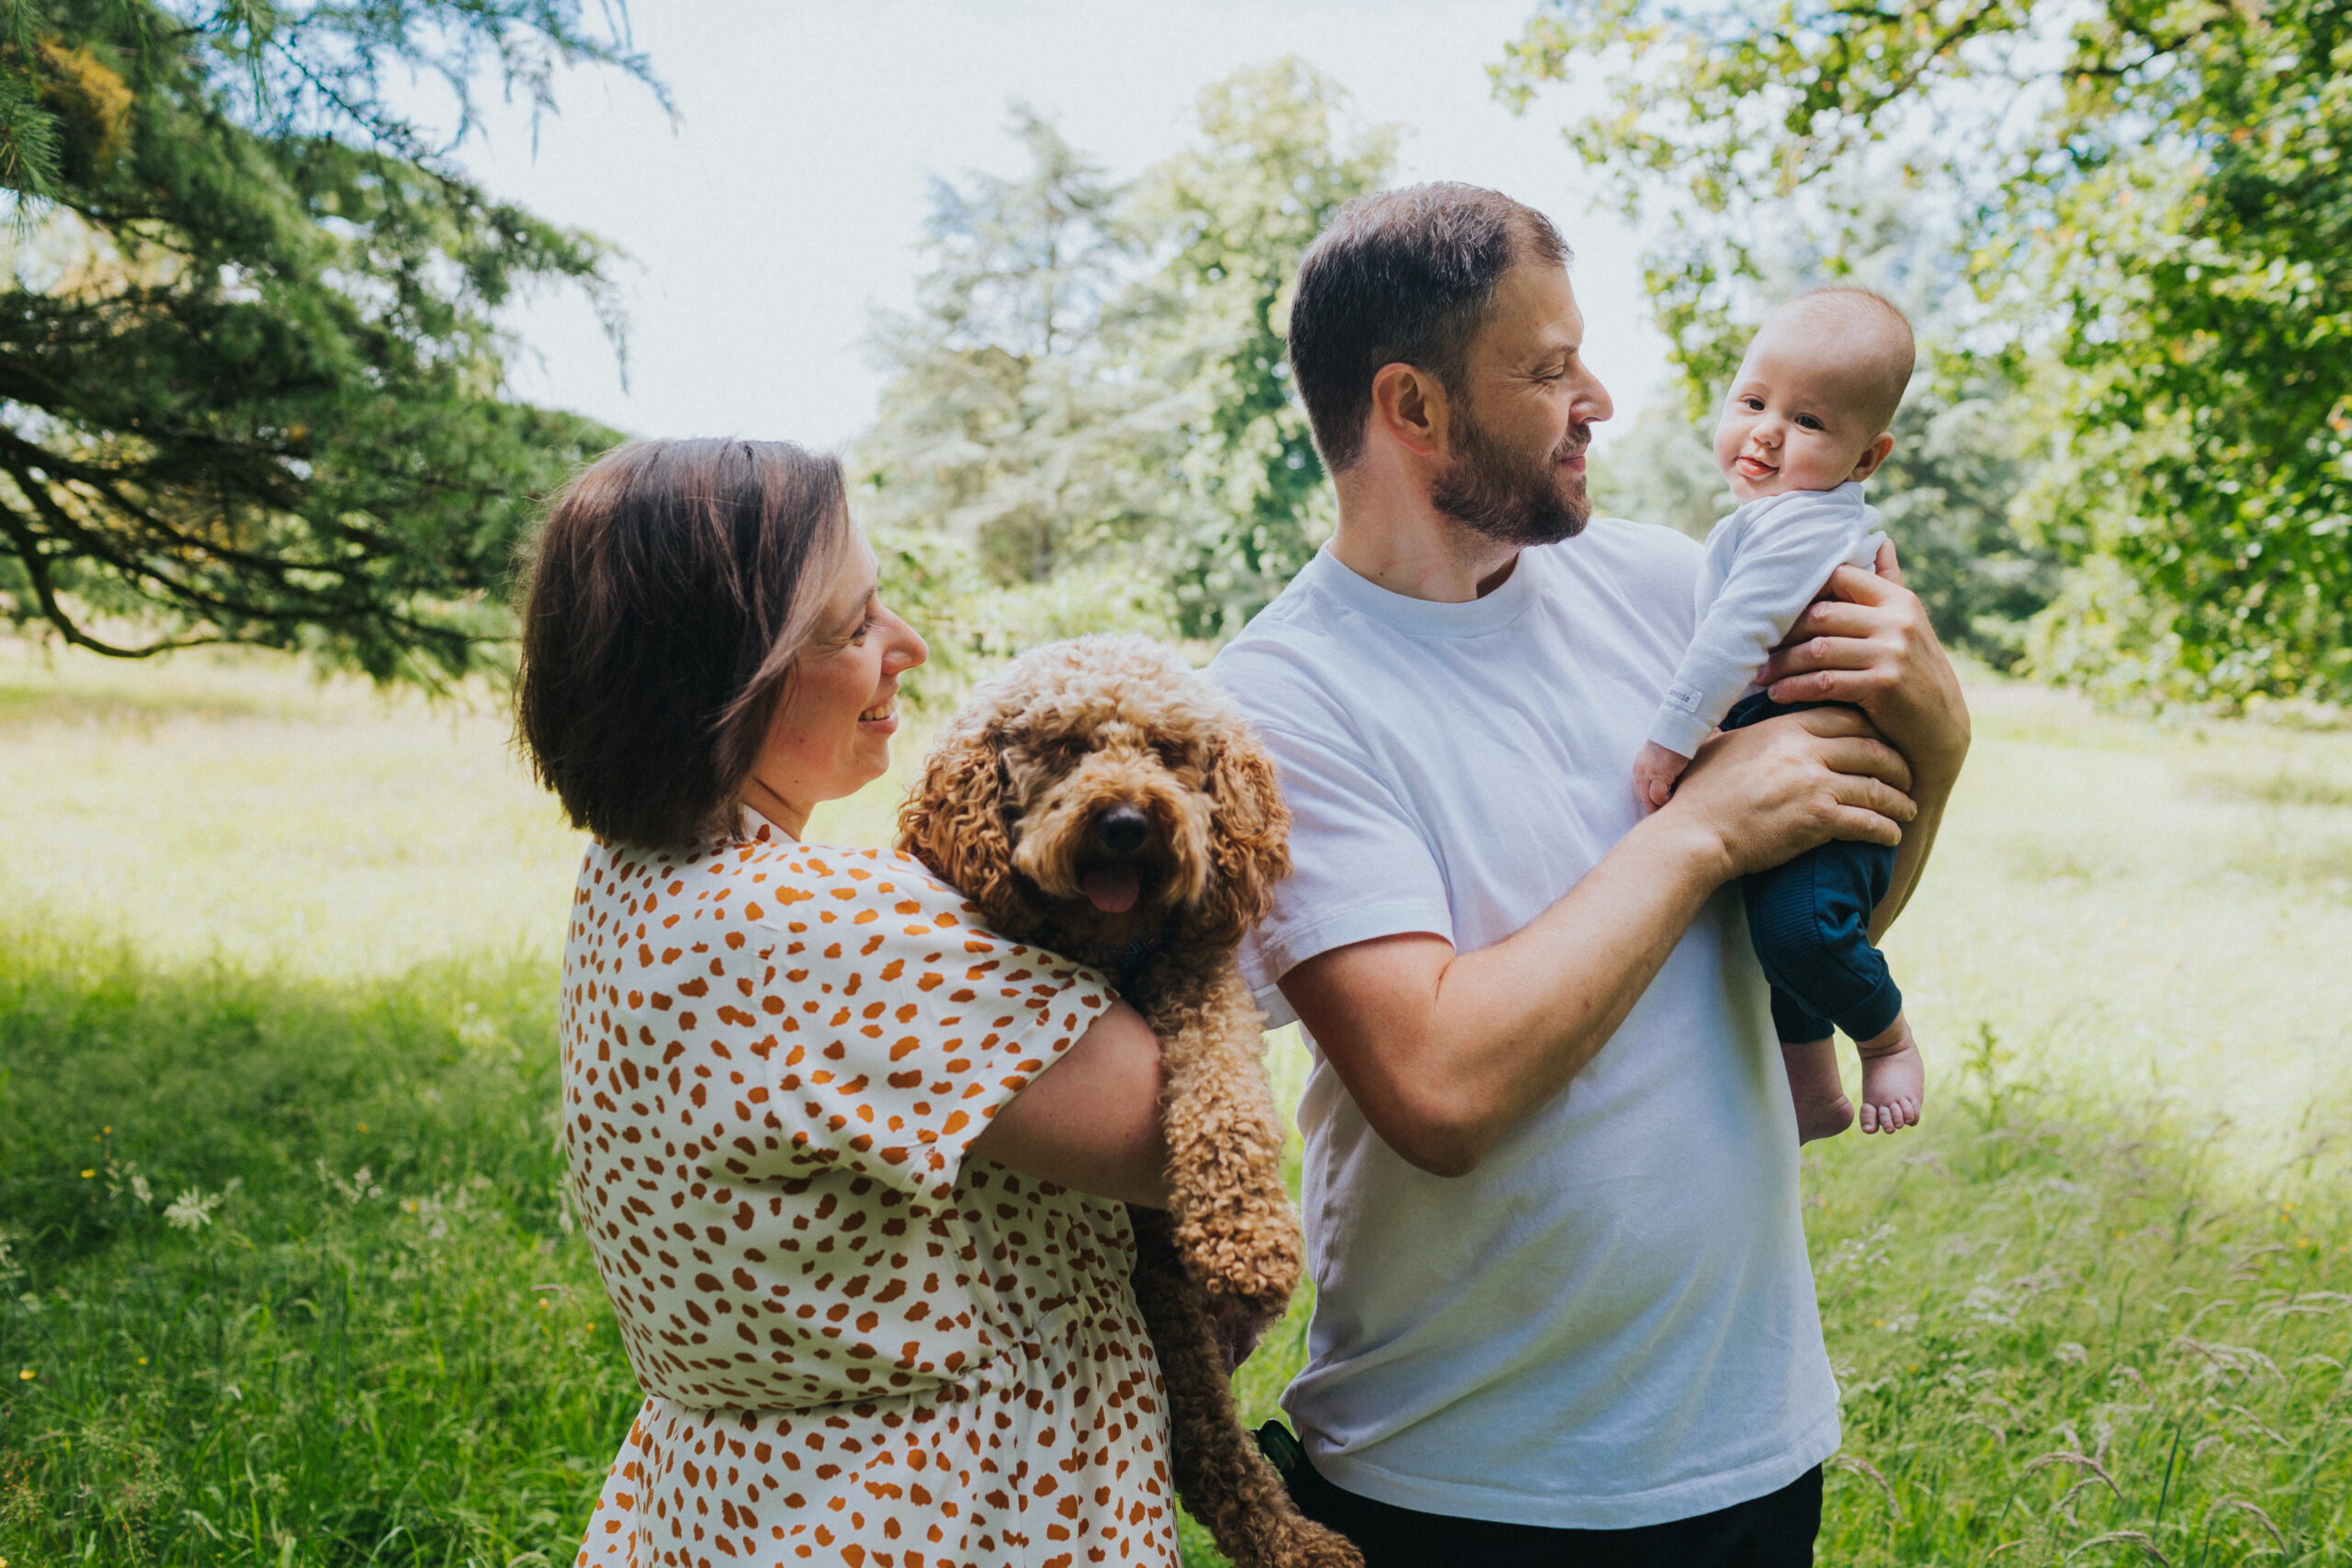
(673,586)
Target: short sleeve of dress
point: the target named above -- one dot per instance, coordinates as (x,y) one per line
(898,1024)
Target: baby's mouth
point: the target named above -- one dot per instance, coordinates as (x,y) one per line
(1756,468)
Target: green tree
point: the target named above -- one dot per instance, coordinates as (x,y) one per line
(2148,209)
(251,377)
(1233,214)
(1089,422)
(1005,423)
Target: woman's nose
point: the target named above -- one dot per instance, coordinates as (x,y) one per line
(907,648)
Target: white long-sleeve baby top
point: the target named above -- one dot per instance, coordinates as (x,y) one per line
(1765,563)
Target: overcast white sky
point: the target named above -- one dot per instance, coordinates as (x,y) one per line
(787,202)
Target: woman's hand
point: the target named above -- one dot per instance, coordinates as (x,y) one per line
(1774,790)
(1091,1122)
(1868,642)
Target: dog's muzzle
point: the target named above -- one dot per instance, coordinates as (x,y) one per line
(1114,887)
(1121,828)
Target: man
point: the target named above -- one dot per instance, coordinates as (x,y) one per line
(1565,1313)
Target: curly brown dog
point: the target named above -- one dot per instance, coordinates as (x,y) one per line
(1101,799)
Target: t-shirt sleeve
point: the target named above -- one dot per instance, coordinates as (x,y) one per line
(900,1025)
(1359,868)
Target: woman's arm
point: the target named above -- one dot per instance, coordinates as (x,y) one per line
(1092,1120)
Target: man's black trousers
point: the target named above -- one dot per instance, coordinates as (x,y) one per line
(1773,1532)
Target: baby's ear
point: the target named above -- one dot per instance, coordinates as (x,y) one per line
(1873,455)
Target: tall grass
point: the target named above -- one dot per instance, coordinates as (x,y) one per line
(289,1279)
(2065,1332)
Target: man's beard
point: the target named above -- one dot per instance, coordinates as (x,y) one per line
(1506,496)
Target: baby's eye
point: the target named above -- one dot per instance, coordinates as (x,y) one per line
(1753,405)
(1807,422)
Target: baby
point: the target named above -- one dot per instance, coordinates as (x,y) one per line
(1805,425)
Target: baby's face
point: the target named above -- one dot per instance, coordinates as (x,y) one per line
(1797,416)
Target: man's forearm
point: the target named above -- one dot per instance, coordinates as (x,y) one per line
(1911,859)
(1446,1052)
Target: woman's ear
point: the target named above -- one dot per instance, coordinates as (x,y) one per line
(955,820)
(1250,843)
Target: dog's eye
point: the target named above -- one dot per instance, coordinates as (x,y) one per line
(1171,755)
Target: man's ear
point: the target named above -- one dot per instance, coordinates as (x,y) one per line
(1409,404)
(1873,455)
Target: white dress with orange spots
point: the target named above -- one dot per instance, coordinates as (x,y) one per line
(856,1345)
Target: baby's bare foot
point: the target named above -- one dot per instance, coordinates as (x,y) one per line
(1895,1079)
(1823,1110)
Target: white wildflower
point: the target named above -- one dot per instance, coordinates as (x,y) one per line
(358,1189)
(192,1210)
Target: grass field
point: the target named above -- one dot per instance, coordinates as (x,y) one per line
(288,1280)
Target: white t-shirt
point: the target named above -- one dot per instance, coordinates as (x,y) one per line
(1765,563)
(1610,1323)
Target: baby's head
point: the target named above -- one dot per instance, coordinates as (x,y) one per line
(1809,406)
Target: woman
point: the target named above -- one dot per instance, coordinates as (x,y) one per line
(853,1169)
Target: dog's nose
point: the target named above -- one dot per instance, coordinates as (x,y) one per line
(1121,828)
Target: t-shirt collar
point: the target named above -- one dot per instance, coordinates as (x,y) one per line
(1425,617)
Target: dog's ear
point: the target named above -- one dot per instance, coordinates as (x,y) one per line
(955,823)
(1249,838)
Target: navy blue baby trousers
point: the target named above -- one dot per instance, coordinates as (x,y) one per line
(1810,921)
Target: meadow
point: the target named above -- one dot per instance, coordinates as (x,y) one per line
(287,1278)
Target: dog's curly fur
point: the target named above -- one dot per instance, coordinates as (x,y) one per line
(1009,812)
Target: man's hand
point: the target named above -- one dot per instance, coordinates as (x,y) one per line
(1771,791)
(1868,642)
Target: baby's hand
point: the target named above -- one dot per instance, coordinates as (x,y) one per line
(1654,772)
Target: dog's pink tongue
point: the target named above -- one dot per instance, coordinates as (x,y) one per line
(1113,889)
